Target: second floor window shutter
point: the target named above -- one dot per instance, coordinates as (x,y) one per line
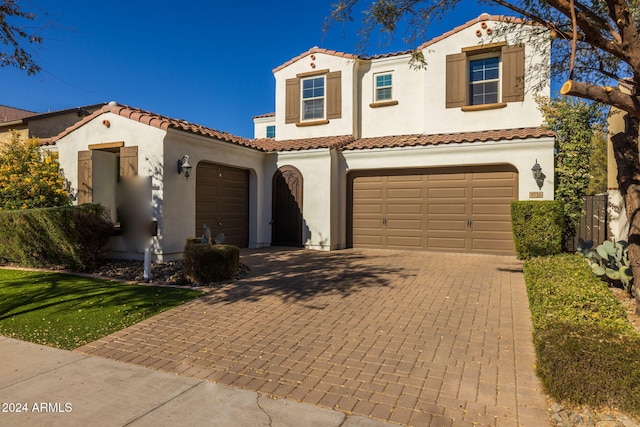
(512,73)
(456,75)
(128,161)
(292,101)
(334,95)
(85,177)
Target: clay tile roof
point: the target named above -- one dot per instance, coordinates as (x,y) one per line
(449,138)
(270,144)
(265,115)
(155,120)
(388,55)
(312,51)
(483,17)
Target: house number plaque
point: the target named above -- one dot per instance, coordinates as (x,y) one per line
(535,194)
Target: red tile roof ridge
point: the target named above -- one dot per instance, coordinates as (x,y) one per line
(311,52)
(396,141)
(260,116)
(331,142)
(152,119)
(481,18)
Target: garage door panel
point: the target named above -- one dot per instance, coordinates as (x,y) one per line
(447,243)
(405,208)
(446,208)
(493,192)
(368,224)
(404,224)
(464,209)
(404,242)
(404,193)
(222,197)
(367,209)
(491,209)
(451,193)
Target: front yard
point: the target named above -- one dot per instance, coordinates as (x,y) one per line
(67,311)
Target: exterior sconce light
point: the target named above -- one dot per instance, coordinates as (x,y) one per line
(536,170)
(184,166)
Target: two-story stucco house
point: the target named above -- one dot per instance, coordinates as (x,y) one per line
(360,152)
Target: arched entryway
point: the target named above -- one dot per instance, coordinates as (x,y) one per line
(286,225)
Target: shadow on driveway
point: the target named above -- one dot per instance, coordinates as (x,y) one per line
(299,275)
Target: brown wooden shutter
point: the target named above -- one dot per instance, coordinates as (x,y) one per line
(334,95)
(292,101)
(512,73)
(85,177)
(128,161)
(456,86)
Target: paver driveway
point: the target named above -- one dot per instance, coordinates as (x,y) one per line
(416,338)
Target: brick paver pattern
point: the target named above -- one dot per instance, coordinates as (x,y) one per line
(414,338)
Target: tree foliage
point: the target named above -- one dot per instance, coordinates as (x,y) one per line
(29,178)
(15,37)
(573,122)
(598,164)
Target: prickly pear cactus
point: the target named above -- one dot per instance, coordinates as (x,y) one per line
(609,261)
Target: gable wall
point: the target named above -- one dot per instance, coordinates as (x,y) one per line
(336,126)
(438,119)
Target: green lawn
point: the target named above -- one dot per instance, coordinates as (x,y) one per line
(68,311)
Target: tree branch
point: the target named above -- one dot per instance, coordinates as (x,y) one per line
(604,94)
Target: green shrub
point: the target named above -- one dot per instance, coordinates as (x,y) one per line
(63,237)
(206,263)
(588,353)
(537,227)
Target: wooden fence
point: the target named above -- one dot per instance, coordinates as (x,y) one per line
(593,225)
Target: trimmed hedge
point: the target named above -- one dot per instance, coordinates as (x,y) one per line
(588,353)
(537,227)
(206,263)
(63,237)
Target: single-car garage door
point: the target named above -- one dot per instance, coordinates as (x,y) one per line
(222,202)
(462,209)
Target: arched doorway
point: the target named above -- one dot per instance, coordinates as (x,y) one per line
(286,225)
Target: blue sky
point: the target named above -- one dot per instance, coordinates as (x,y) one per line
(207,62)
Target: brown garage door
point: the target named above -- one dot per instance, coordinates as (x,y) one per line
(447,209)
(222,202)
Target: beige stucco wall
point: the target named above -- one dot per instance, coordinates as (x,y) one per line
(439,119)
(341,126)
(6,133)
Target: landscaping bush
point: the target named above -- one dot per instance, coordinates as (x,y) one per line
(63,237)
(206,263)
(588,353)
(537,227)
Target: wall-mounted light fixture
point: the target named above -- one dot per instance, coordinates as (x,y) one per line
(536,170)
(184,166)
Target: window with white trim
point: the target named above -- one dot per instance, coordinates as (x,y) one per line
(484,80)
(271,131)
(313,95)
(383,87)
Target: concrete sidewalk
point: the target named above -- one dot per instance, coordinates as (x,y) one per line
(54,387)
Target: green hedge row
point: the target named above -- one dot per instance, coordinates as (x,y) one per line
(64,237)
(537,227)
(588,353)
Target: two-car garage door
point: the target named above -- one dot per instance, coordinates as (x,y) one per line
(463,209)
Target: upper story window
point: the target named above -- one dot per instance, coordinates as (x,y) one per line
(313,98)
(484,76)
(383,87)
(271,131)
